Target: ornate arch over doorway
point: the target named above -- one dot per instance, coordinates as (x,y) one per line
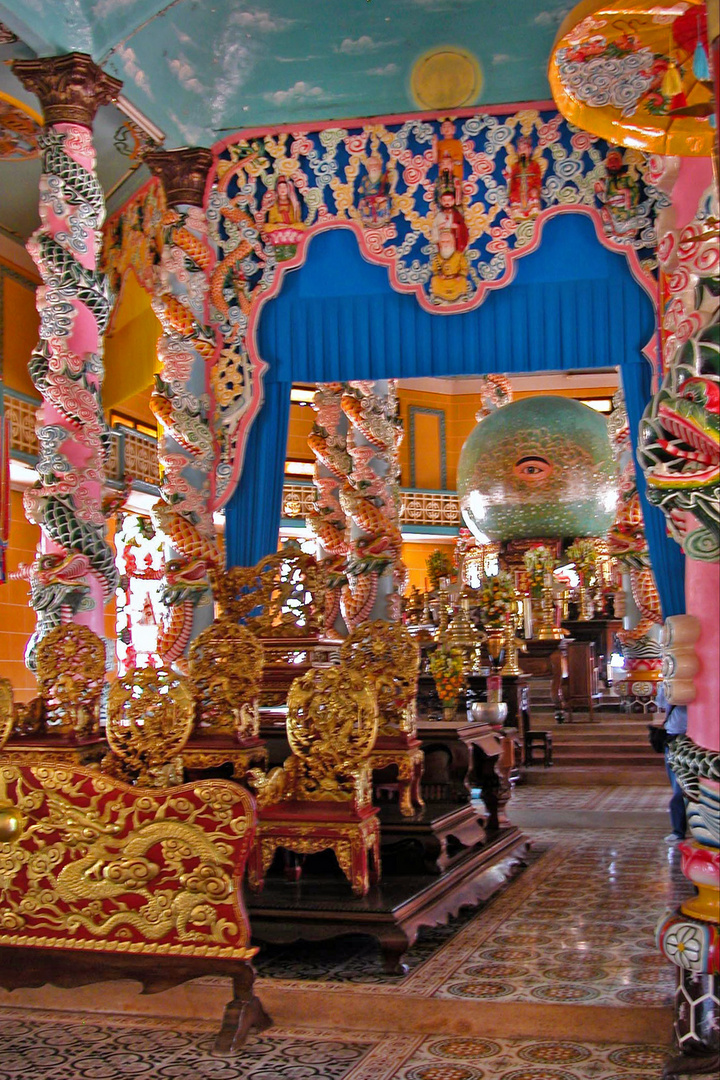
(449,206)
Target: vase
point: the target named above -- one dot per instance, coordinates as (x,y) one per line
(450,711)
(511,647)
(585,605)
(495,645)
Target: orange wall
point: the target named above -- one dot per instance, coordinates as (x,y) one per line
(17,619)
(415,557)
(302,418)
(20,327)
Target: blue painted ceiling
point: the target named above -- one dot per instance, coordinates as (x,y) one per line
(202,69)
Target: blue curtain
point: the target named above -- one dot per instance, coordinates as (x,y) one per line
(666,557)
(572,304)
(252,516)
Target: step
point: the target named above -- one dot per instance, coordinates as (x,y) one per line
(639,731)
(630,761)
(616,738)
(598,776)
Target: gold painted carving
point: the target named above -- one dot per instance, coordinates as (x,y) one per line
(28,718)
(331,726)
(388,655)
(70,87)
(6,710)
(225,670)
(182,172)
(150,717)
(240,760)
(103,866)
(71,674)
(289,588)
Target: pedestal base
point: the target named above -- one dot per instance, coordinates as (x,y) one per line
(317,909)
(432,842)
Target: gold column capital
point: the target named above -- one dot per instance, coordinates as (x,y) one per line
(183,173)
(70,88)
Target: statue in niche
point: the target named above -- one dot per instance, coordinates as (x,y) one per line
(450,268)
(283,223)
(450,170)
(524,172)
(374,193)
(620,195)
(449,229)
(449,233)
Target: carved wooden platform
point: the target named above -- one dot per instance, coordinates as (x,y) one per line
(316,909)
(432,841)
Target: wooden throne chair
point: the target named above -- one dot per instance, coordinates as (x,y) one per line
(145,879)
(389,657)
(225,673)
(63,721)
(321,798)
(282,601)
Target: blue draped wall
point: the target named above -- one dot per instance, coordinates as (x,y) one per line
(666,557)
(572,304)
(252,516)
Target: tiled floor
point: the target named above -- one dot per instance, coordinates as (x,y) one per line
(612,799)
(51,1046)
(575,929)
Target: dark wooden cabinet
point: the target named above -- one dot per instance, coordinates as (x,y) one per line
(581,690)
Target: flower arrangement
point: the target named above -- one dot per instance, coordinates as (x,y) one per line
(496,598)
(439,565)
(446,667)
(584,554)
(539,561)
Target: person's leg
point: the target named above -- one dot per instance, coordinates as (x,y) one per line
(676,805)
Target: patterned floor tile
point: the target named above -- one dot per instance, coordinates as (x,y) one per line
(71,1046)
(576,926)
(458,1058)
(57,1046)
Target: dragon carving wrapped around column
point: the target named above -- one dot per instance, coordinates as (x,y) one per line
(641,646)
(355,491)
(74,575)
(370,499)
(181,401)
(327,520)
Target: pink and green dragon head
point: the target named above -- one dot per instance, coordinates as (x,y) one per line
(680,440)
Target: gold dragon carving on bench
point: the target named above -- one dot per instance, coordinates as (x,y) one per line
(96,864)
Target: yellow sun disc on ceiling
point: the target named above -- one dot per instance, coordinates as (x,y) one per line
(446,78)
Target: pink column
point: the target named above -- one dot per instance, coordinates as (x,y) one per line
(74,573)
(679,450)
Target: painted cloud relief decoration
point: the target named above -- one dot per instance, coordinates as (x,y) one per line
(616,80)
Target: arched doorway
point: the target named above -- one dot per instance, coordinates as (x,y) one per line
(573,303)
